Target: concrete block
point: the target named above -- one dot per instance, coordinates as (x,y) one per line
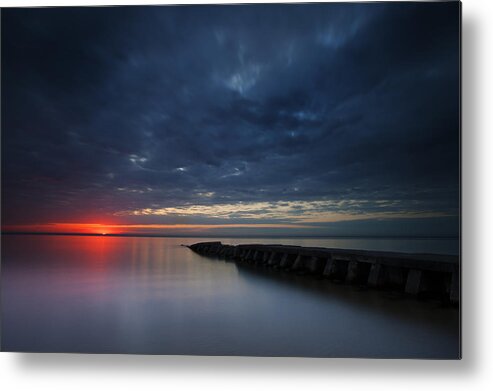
(259,255)
(247,255)
(255,255)
(395,276)
(352,272)
(376,278)
(330,269)
(413,283)
(274,259)
(284,260)
(299,263)
(315,265)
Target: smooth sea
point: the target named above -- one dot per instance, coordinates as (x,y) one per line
(150,295)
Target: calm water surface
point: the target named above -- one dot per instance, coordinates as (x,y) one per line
(151,296)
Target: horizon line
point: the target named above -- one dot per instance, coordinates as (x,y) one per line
(143,235)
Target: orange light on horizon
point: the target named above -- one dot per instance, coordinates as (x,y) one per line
(109,229)
(80,228)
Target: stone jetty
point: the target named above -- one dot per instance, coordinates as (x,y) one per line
(419,275)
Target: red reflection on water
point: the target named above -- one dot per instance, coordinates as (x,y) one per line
(80,262)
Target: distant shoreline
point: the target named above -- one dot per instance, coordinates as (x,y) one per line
(234,236)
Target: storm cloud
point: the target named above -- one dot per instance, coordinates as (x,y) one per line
(319,114)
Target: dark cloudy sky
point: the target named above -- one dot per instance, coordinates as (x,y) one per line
(328,119)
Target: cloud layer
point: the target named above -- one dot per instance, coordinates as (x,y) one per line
(243,114)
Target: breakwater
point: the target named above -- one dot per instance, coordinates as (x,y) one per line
(419,275)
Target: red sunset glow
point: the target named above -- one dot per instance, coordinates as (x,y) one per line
(78,228)
(112,229)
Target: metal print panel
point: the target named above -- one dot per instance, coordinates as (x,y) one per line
(261,180)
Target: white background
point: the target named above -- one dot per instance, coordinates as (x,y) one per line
(473,372)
